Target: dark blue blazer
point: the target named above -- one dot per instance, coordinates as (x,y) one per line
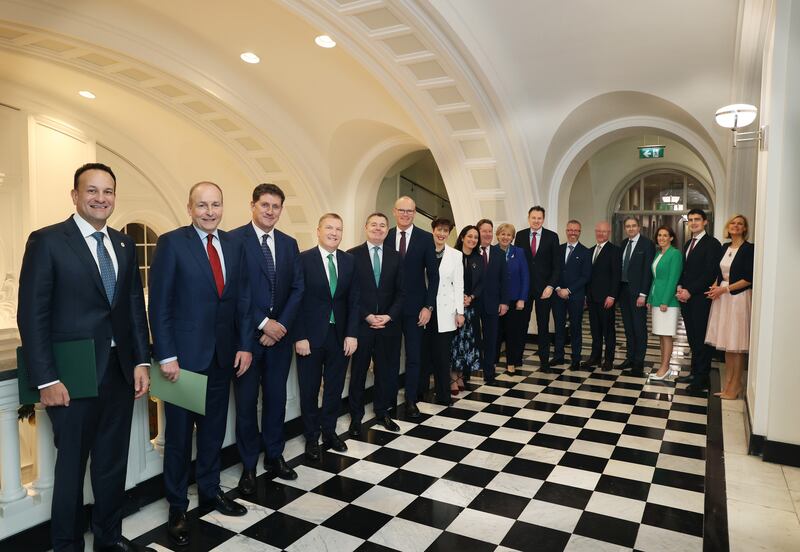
(188,318)
(495,281)
(519,281)
(419,266)
(544,268)
(283,304)
(575,273)
(701,266)
(387,296)
(62,298)
(313,318)
(640,269)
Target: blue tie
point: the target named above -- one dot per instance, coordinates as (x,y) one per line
(270,261)
(106,267)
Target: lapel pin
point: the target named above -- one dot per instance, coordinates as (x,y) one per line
(122,244)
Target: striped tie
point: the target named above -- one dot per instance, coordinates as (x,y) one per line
(106,267)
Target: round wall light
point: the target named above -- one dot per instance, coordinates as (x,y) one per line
(324,41)
(736,116)
(250,57)
(86,94)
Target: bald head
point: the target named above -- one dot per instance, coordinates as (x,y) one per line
(602,231)
(404,211)
(205,206)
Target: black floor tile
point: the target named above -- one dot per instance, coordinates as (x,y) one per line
(519,394)
(551,441)
(611,416)
(409,482)
(528,537)
(648,411)
(272,494)
(500,446)
(428,432)
(582,403)
(431,512)
(621,486)
(501,504)
(202,535)
(357,521)
(502,409)
(566,419)
(667,397)
(390,457)
(330,462)
(628,385)
(604,437)
(560,391)
(482,397)
(691,408)
(447,542)
(278,530)
(342,488)
(608,529)
(687,427)
(373,547)
(680,449)
(673,519)
(460,413)
(680,480)
(476,428)
(542,405)
(571,379)
(620,399)
(583,462)
(564,495)
(529,468)
(594,388)
(377,437)
(644,431)
(447,452)
(636,456)
(469,475)
(523,424)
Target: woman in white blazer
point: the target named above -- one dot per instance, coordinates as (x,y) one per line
(449,312)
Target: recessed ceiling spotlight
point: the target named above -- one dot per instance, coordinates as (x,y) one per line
(250,57)
(86,94)
(325,41)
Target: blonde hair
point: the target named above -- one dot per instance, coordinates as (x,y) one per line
(329,216)
(506,227)
(727,236)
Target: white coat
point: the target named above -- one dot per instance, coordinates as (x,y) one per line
(450,296)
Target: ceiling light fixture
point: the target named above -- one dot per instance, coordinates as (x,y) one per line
(738,116)
(250,57)
(86,94)
(324,41)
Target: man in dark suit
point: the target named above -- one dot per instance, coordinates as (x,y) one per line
(601,297)
(701,260)
(576,269)
(544,264)
(636,275)
(276,289)
(80,280)
(420,281)
(494,298)
(325,333)
(380,308)
(200,316)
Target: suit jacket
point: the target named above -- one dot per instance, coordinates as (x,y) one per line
(419,266)
(742,266)
(518,278)
(640,269)
(313,319)
(606,272)
(575,273)
(386,297)
(701,266)
(188,318)
(665,279)
(450,295)
(283,303)
(62,298)
(495,281)
(544,268)
(473,266)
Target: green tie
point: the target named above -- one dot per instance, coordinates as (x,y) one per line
(332,280)
(376,265)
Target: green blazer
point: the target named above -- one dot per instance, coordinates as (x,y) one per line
(665,279)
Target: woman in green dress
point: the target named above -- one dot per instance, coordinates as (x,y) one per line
(667,267)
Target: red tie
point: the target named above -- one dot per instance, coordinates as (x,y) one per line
(216,265)
(402,243)
(691,246)
(533,245)
(485,257)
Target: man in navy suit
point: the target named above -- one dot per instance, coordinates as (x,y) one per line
(200,317)
(544,264)
(635,279)
(276,289)
(325,333)
(380,309)
(494,298)
(701,260)
(576,269)
(80,280)
(601,296)
(421,282)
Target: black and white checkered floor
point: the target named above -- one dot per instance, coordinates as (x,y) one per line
(563,460)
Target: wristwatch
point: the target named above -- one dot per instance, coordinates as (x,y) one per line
(429,307)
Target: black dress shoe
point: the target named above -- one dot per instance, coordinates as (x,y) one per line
(697,386)
(412,411)
(333,442)
(223,505)
(634,372)
(607,366)
(625,364)
(247,482)
(588,363)
(575,366)
(178,528)
(279,467)
(123,545)
(684,379)
(313,451)
(355,429)
(557,361)
(388,423)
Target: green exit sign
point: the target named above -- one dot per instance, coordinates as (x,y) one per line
(651,152)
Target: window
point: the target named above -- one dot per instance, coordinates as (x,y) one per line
(145,239)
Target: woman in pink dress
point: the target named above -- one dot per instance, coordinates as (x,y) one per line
(729,322)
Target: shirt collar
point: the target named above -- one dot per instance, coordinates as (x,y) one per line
(203,234)
(260,233)
(87,229)
(407,231)
(635,238)
(699,236)
(371,246)
(324,252)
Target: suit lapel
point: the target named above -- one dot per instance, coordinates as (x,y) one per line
(122,260)
(78,244)
(255,248)
(196,248)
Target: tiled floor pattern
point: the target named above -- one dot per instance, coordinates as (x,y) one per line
(541,460)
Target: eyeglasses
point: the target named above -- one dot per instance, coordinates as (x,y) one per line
(406,211)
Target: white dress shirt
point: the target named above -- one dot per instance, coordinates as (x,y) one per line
(324,252)
(696,239)
(398,236)
(271,242)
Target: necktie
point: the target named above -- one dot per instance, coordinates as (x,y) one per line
(691,246)
(332,280)
(626,260)
(402,243)
(270,264)
(376,265)
(216,265)
(570,248)
(485,256)
(533,244)
(597,249)
(106,267)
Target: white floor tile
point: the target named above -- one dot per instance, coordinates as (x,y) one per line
(452,492)
(574,477)
(515,484)
(677,498)
(541,454)
(406,536)
(487,460)
(481,525)
(308,478)
(591,448)
(754,527)
(554,516)
(460,439)
(385,500)
(629,470)
(322,538)
(427,465)
(240,543)
(369,472)
(513,435)
(656,539)
(409,444)
(616,506)
(255,513)
(313,507)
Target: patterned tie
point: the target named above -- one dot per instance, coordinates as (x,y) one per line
(376,265)
(270,261)
(106,267)
(533,244)
(485,255)
(402,243)
(691,246)
(597,249)
(626,260)
(570,249)
(216,265)
(332,281)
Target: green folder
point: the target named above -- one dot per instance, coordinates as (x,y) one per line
(76,367)
(188,392)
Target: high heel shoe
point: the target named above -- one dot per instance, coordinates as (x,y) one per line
(511,370)
(673,373)
(460,383)
(655,377)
